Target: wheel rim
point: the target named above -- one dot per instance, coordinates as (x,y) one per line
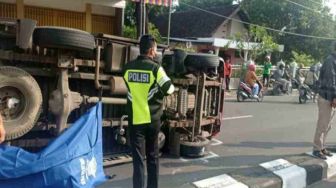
(12,103)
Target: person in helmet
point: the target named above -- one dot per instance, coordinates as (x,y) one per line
(267,71)
(311,77)
(278,76)
(252,80)
(300,75)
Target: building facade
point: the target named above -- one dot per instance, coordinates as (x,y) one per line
(95,16)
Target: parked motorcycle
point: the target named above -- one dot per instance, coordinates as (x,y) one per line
(306,93)
(245,92)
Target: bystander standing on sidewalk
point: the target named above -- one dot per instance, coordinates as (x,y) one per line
(326,104)
(227,71)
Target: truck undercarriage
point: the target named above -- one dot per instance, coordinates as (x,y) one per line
(49,76)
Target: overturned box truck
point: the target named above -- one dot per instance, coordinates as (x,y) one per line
(49,76)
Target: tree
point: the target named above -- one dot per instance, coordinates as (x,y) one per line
(308,19)
(302,58)
(131,32)
(259,42)
(133,16)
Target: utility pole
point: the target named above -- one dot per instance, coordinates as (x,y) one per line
(169,21)
(141,18)
(143,4)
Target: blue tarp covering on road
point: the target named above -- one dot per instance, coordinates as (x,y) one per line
(74,159)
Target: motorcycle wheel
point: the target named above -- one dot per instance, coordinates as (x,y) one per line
(276,90)
(260,97)
(302,99)
(290,90)
(240,97)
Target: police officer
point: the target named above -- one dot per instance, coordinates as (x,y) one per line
(147,84)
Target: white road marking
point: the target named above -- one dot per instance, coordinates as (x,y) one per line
(237,117)
(331,162)
(204,159)
(215,142)
(291,175)
(221,181)
(176,170)
(229,98)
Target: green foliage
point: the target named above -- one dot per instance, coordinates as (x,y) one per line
(130,32)
(292,18)
(260,42)
(155,32)
(302,58)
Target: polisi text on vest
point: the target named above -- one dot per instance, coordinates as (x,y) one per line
(138,77)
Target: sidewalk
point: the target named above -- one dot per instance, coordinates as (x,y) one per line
(230,94)
(289,172)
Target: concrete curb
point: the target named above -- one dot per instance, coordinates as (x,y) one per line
(290,172)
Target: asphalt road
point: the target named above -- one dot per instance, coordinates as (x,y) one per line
(331,183)
(251,133)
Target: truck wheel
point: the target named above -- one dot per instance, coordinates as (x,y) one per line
(20,101)
(180,57)
(62,37)
(174,63)
(194,149)
(201,61)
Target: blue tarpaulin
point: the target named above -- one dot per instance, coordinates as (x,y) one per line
(74,159)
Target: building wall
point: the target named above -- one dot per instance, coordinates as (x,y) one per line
(222,31)
(69,5)
(229,28)
(7,10)
(236,27)
(104,22)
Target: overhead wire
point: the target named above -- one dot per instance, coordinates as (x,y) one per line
(316,3)
(311,9)
(303,6)
(267,28)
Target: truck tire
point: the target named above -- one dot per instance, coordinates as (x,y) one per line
(62,37)
(194,149)
(174,63)
(201,61)
(180,57)
(19,90)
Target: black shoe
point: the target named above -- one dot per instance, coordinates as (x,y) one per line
(327,153)
(319,154)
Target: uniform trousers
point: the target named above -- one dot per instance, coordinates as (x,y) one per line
(144,144)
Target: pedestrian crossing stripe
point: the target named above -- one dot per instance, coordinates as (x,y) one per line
(221,181)
(290,174)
